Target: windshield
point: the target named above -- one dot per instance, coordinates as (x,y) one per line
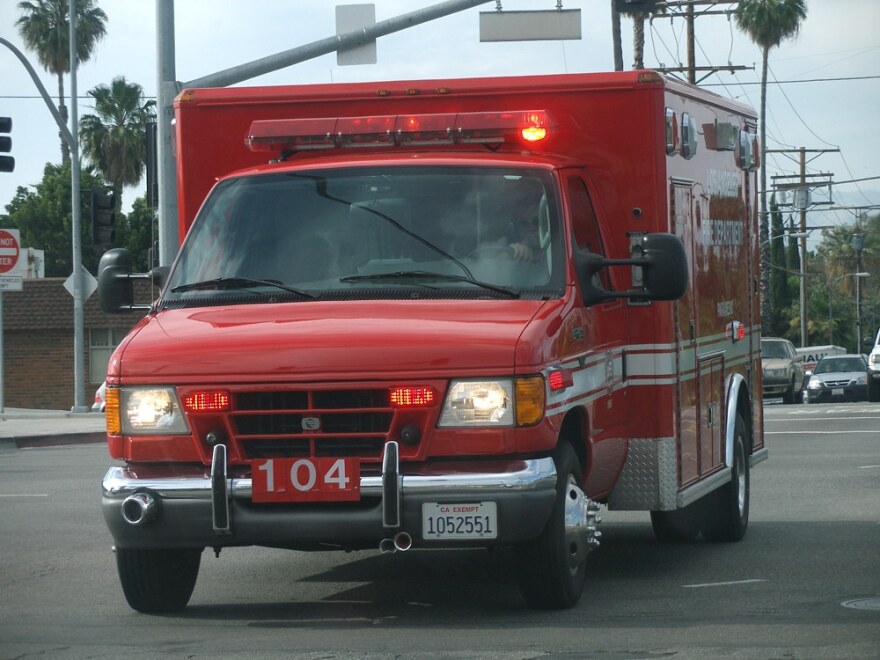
(374,232)
(773,350)
(832,365)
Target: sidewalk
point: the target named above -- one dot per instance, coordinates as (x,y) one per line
(25,427)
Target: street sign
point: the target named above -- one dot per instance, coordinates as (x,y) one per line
(355,18)
(539,25)
(11,283)
(10,251)
(89,283)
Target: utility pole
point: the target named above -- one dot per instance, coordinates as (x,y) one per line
(802,203)
(687,9)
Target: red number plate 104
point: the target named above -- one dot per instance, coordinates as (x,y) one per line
(306,480)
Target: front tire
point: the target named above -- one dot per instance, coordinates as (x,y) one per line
(158,581)
(726,516)
(552,568)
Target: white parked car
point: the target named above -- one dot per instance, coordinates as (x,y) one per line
(98,405)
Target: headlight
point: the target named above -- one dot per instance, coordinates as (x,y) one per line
(504,402)
(815,383)
(151,410)
(862,379)
(874,358)
(774,373)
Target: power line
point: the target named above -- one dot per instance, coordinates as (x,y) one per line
(805,80)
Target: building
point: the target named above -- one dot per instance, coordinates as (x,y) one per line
(38,343)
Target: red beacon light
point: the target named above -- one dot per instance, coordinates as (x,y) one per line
(207,401)
(411,396)
(312,134)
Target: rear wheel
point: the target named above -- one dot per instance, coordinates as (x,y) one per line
(156,581)
(726,515)
(552,568)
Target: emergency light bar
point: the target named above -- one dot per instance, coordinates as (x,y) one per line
(397,130)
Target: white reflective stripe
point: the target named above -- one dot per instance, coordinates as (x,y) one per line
(646,365)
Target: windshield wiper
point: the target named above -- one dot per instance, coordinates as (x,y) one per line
(238,283)
(427,275)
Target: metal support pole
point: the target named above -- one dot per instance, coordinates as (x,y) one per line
(75,208)
(167,89)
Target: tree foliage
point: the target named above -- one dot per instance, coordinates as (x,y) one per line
(114,138)
(43,215)
(45,28)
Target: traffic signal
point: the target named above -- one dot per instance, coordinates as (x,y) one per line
(103,217)
(7,163)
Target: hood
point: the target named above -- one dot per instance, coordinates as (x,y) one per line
(775,363)
(360,340)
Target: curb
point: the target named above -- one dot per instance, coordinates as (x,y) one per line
(54,440)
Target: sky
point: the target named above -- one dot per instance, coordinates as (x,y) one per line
(824,92)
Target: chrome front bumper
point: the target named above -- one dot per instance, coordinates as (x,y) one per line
(206,507)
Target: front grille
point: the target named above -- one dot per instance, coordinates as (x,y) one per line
(837,383)
(311,423)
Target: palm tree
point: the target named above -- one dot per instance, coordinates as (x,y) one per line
(45,29)
(114,138)
(768,23)
(639,13)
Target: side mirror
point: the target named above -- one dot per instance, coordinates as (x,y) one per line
(115,288)
(662,259)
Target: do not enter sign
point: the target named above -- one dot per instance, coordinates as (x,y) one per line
(9,250)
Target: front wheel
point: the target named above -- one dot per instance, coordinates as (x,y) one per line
(157,581)
(552,568)
(726,515)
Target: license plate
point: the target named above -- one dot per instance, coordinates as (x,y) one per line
(460,521)
(837,391)
(305,480)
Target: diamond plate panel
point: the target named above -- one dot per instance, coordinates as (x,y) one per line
(649,479)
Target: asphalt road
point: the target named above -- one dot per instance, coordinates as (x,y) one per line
(804,583)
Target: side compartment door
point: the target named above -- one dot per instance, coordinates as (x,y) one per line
(689,417)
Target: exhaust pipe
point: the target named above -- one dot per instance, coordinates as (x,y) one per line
(140,508)
(401,541)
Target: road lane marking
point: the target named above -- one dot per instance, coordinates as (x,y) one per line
(719,584)
(25,495)
(814,432)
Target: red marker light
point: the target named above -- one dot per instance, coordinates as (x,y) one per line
(207,401)
(411,397)
(559,379)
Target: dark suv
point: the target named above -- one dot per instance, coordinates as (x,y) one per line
(782,369)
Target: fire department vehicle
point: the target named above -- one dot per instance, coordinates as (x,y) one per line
(432,314)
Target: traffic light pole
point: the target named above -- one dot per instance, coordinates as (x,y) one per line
(79,398)
(72,142)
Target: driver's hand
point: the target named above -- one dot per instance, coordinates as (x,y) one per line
(522,252)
